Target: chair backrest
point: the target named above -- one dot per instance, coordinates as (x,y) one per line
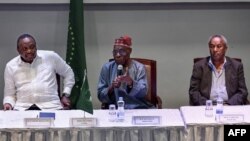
(58,84)
(150,66)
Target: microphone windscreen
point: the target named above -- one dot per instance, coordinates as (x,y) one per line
(119,70)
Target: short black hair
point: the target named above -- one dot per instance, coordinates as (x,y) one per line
(25,35)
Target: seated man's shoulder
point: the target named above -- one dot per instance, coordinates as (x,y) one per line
(201,60)
(138,65)
(13,61)
(234,61)
(47,52)
(109,64)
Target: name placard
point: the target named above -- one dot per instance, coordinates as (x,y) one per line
(146,120)
(231,118)
(47,115)
(83,122)
(38,122)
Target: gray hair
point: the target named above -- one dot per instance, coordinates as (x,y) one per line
(219,36)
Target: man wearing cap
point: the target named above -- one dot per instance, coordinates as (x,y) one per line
(131,84)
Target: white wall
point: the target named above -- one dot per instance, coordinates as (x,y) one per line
(171,33)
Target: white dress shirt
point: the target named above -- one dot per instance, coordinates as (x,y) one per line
(218,88)
(35,83)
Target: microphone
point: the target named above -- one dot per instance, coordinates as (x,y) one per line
(119,70)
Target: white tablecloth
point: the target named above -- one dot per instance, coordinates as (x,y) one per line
(202,128)
(171,128)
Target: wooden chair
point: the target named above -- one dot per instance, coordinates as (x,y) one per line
(151,69)
(151,96)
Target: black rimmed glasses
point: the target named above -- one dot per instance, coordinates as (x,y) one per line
(120,51)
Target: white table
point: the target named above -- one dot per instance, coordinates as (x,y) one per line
(171,128)
(202,128)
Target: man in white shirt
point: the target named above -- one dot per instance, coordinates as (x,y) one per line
(30,78)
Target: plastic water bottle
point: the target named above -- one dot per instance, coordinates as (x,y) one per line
(219,108)
(112,113)
(120,110)
(209,108)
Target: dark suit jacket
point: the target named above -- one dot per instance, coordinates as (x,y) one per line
(201,81)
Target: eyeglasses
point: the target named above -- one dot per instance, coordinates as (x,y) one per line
(120,51)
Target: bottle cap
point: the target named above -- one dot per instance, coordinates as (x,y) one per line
(120,98)
(209,103)
(219,99)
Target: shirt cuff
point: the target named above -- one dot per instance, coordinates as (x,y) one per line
(9,100)
(67,90)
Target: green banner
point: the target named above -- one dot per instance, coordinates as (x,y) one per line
(80,96)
